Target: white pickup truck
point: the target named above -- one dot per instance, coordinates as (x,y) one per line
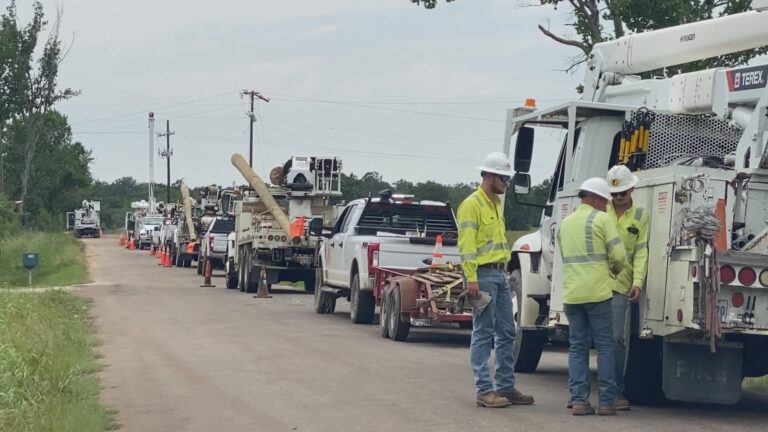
(394,232)
(214,244)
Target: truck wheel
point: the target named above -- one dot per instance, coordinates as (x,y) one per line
(324,303)
(384,315)
(241,270)
(199,265)
(231,280)
(643,376)
(528,345)
(362,305)
(251,285)
(398,329)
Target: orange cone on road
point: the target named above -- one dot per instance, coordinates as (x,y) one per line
(207,275)
(131,244)
(437,255)
(263,291)
(167,262)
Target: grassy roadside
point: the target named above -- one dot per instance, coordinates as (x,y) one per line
(47,365)
(61,259)
(759,384)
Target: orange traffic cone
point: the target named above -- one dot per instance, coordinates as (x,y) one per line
(437,255)
(263,291)
(131,244)
(207,275)
(121,240)
(167,262)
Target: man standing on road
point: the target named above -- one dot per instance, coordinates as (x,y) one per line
(592,255)
(484,256)
(632,224)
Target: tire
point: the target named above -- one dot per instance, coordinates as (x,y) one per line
(362,305)
(644,372)
(241,271)
(528,345)
(384,316)
(325,303)
(199,265)
(398,329)
(232,280)
(251,286)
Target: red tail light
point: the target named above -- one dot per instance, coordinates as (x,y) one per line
(373,255)
(727,274)
(270,237)
(747,276)
(737,299)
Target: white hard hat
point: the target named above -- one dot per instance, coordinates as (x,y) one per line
(620,179)
(598,186)
(497,163)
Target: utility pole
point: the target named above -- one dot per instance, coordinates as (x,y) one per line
(252,116)
(151,162)
(167,153)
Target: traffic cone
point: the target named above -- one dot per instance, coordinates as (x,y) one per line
(167,262)
(263,291)
(121,241)
(131,244)
(207,275)
(437,255)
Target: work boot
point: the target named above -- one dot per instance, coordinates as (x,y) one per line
(606,410)
(515,397)
(582,409)
(569,405)
(622,404)
(492,400)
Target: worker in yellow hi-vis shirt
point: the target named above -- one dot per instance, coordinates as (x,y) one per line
(632,224)
(592,255)
(484,255)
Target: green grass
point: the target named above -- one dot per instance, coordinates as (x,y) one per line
(47,365)
(62,261)
(757,384)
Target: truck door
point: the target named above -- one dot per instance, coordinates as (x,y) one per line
(333,258)
(70,220)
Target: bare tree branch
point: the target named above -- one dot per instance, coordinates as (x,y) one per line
(563,40)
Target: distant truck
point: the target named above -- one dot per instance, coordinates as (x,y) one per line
(85,222)
(272,222)
(214,244)
(393,233)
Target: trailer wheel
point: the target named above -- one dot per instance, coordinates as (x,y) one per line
(398,329)
(384,315)
(324,302)
(362,306)
(528,345)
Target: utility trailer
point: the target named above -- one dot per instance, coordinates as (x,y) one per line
(701,325)
(420,298)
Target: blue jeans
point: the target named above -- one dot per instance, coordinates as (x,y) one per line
(620,307)
(496,321)
(593,319)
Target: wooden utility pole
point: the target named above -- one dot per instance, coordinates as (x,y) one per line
(252,117)
(167,153)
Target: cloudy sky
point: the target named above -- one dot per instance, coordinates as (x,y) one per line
(383,84)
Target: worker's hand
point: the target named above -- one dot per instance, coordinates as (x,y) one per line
(634,294)
(473,290)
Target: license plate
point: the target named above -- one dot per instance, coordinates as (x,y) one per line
(722,309)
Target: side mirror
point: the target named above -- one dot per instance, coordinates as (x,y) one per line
(524,149)
(522,183)
(316,227)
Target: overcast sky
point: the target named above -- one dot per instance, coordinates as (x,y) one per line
(383,84)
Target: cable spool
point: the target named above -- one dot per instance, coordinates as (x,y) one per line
(276,176)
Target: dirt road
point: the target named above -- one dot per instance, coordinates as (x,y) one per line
(179,357)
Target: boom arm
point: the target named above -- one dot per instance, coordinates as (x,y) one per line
(643,52)
(185,199)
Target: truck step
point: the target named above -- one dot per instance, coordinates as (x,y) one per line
(330,290)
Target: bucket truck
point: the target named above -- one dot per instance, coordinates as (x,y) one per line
(701,325)
(85,222)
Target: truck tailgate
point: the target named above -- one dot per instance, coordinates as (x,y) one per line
(401,254)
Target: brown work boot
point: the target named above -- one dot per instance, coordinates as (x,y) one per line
(582,409)
(492,400)
(569,405)
(606,410)
(622,404)
(515,397)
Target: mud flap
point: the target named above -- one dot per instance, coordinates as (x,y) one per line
(694,374)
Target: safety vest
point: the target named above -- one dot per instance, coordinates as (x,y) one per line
(633,230)
(482,233)
(592,254)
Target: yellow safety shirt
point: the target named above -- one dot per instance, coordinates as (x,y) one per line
(633,230)
(592,255)
(482,233)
